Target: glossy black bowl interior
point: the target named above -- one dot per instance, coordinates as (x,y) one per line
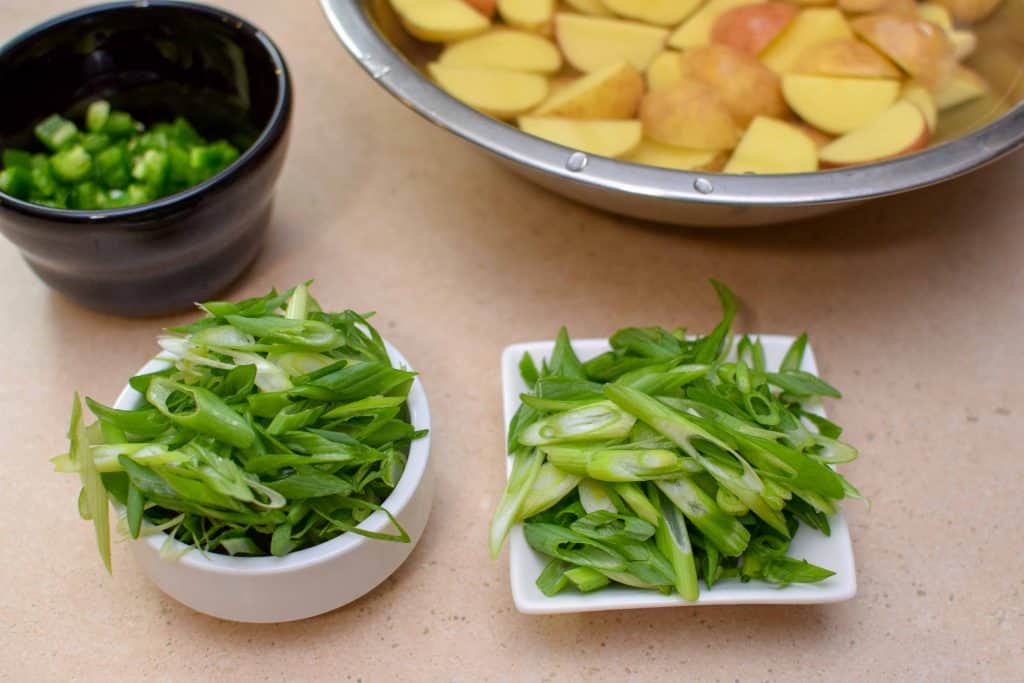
(157,61)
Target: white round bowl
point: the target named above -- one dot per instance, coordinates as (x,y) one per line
(306,582)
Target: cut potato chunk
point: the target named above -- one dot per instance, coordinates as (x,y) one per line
(920,97)
(809,28)
(604,138)
(908,7)
(689,114)
(970,11)
(653,153)
(499,93)
(935,13)
(594,8)
(964,86)
(752,28)
(660,12)
(773,146)
(746,86)
(440,21)
(505,49)
(919,47)
(613,92)
(528,15)
(838,105)
(899,130)
(590,43)
(845,57)
(696,30)
(484,7)
(664,70)
(964,42)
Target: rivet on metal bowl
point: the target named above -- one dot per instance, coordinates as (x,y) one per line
(576,162)
(703,185)
(377,71)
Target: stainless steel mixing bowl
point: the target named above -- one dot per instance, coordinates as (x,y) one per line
(372,35)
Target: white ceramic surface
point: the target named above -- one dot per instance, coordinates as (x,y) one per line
(832,552)
(307,582)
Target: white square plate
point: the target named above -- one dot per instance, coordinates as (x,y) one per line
(832,552)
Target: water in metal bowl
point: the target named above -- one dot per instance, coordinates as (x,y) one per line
(966,138)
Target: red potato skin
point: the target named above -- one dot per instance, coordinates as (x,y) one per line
(484,7)
(917,146)
(750,28)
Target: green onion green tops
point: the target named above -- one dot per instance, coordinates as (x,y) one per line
(114,162)
(661,462)
(276,426)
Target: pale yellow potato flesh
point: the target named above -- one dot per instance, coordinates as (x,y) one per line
(613,92)
(838,105)
(651,153)
(500,93)
(664,70)
(528,15)
(696,30)
(901,129)
(921,97)
(505,49)
(809,28)
(659,12)
(440,21)
(604,138)
(589,43)
(772,146)
(845,57)
(964,86)
(594,8)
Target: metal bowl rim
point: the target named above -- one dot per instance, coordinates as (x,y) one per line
(392,70)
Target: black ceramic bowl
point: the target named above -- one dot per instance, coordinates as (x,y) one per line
(156,60)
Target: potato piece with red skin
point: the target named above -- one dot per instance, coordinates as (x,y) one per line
(919,47)
(746,86)
(751,28)
(689,114)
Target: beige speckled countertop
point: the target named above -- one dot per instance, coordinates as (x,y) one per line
(915,306)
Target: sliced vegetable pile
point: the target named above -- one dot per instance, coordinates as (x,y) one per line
(659,462)
(115,162)
(277,427)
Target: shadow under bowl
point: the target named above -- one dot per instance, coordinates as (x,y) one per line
(157,60)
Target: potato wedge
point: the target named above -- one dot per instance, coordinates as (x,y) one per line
(746,86)
(751,28)
(594,8)
(589,43)
(651,153)
(613,92)
(604,138)
(528,15)
(772,146)
(809,28)
(845,57)
(964,86)
(689,114)
(899,130)
(664,70)
(921,97)
(919,47)
(440,21)
(497,92)
(696,30)
(658,12)
(838,105)
(505,49)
